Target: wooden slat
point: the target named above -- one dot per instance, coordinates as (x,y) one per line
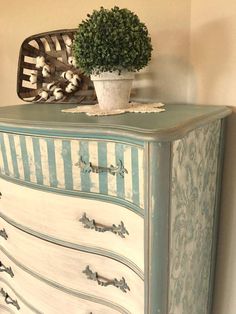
(57,59)
(41,45)
(50,42)
(27,65)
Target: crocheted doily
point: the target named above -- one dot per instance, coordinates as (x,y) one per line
(94,110)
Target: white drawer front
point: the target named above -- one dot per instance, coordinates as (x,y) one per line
(13,303)
(101,167)
(4,309)
(76,270)
(63,217)
(49,300)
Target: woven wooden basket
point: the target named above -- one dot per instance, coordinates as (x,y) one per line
(33,81)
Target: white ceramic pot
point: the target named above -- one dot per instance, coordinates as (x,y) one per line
(112,89)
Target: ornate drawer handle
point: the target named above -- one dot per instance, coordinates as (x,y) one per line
(120,230)
(3,234)
(8,299)
(87,167)
(102,281)
(8,270)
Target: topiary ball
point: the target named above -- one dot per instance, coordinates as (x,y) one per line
(112,40)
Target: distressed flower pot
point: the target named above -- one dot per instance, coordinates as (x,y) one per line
(113,89)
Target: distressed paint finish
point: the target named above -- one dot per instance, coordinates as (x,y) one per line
(51,162)
(172,166)
(193,203)
(59,299)
(66,268)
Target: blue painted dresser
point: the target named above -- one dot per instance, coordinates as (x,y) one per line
(114,214)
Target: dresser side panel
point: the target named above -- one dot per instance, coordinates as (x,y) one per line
(195,161)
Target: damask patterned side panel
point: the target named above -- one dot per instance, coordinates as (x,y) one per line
(194,174)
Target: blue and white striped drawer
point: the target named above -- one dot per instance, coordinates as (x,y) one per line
(53,162)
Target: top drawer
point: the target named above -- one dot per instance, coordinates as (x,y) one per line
(78,165)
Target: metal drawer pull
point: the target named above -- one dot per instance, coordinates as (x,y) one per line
(9,300)
(3,234)
(87,167)
(102,281)
(120,230)
(0,195)
(8,270)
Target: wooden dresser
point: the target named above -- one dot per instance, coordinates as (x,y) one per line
(107,215)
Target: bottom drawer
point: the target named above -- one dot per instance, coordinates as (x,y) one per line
(47,299)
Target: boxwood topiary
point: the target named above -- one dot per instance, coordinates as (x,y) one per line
(111,40)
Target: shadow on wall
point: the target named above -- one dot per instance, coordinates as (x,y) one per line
(167,84)
(210,53)
(225,276)
(165,79)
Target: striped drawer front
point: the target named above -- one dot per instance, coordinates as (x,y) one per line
(53,162)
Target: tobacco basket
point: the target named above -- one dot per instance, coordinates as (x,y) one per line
(53,47)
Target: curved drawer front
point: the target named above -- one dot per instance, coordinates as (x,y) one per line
(89,224)
(11,301)
(84,272)
(101,167)
(51,300)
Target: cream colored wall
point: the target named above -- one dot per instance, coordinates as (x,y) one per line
(212,81)
(168,22)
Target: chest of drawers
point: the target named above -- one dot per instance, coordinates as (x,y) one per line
(109,214)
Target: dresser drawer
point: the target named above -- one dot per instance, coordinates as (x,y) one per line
(98,167)
(77,221)
(12,302)
(48,299)
(88,273)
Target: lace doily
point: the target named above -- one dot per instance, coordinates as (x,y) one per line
(94,110)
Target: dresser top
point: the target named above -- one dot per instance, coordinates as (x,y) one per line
(173,123)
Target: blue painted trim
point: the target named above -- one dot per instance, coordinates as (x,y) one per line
(215,232)
(66,154)
(102,161)
(37,158)
(51,162)
(25,158)
(4,155)
(157,229)
(72,134)
(13,155)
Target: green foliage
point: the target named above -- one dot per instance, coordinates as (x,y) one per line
(110,40)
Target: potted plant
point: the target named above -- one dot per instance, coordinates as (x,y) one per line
(111,45)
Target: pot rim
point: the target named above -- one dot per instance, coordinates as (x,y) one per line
(124,75)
